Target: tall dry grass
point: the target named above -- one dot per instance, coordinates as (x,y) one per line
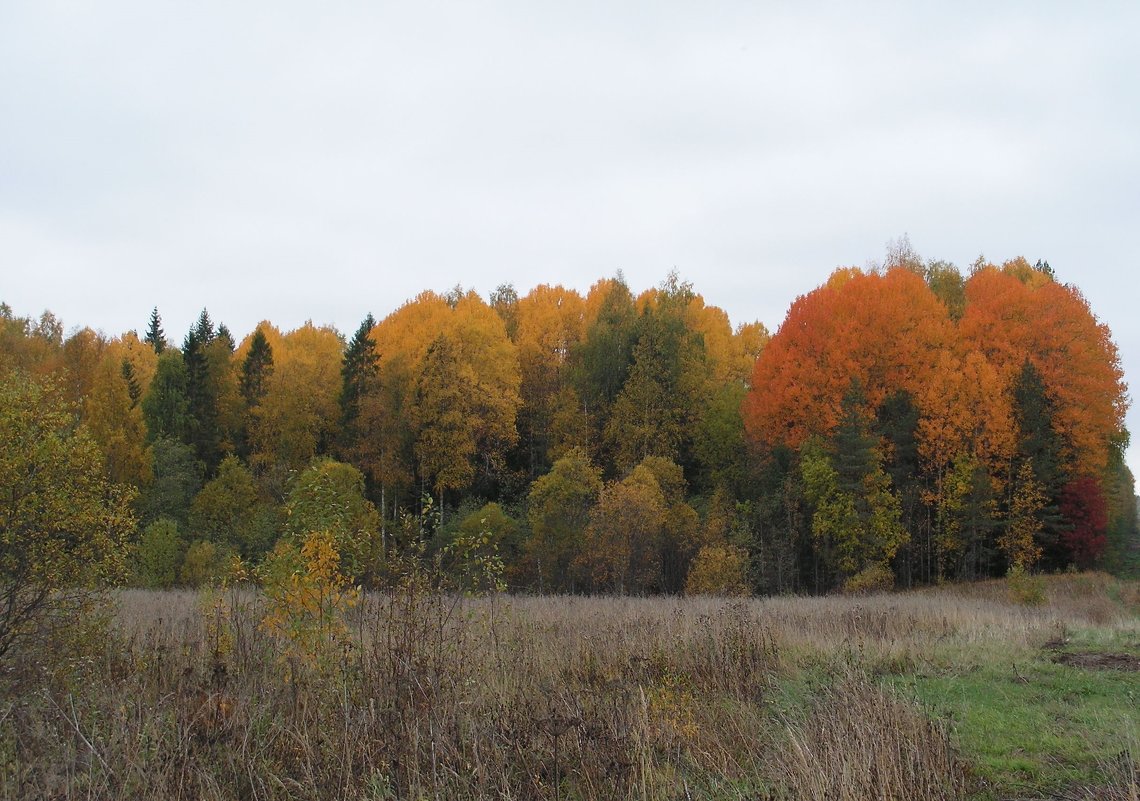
(860,742)
(443,697)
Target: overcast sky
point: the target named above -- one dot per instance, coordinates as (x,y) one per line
(297,160)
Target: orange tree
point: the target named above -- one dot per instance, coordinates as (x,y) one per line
(882,330)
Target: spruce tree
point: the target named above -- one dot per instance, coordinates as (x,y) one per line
(204,328)
(166,406)
(665,390)
(225,335)
(256,369)
(357,372)
(205,434)
(133,388)
(1041,447)
(896,423)
(253,385)
(854,444)
(154,334)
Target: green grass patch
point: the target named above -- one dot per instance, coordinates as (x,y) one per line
(1039,730)
(1102,640)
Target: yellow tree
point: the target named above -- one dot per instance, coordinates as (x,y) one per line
(223,372)
(446,442)
(731,354)
(558,507)
(747,344)
(228,511)
(297,415)
(484,359)
(1019,540)
(386,417)
(79,359)
(29,345)
(114,408)
(63,525)
(719,569)
(681,535)
(384,445)
(549,326)
(329,496)
(493,361)
(622,548)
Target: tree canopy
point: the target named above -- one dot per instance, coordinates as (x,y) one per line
(63,524)
(906,423)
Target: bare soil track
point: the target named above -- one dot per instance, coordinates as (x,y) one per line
(1097,661)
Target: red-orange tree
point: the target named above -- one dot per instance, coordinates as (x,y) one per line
(883,330)
(1016,313)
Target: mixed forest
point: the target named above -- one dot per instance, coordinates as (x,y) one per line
(907,424)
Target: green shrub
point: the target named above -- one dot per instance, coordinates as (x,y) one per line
(159,554)
(718,570)
(1025,589)
(875,578)
(205,563)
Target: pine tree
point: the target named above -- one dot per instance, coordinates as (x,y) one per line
(154,334)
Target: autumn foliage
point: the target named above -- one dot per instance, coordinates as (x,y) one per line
(1022,386)
(905,424)
(885,331)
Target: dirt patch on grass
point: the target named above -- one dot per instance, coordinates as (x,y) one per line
(1095,661)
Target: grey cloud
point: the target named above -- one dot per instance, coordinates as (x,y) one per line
(291,160)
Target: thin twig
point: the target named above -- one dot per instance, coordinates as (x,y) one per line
(74,721)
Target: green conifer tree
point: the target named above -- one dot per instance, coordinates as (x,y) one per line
(134,391)
(154,334)
(358,373)
(256,369)
(1040,445)
(166,407)
(201,392)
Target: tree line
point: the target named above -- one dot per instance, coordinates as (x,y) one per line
(906,424)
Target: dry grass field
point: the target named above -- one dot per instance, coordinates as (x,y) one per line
(946,693)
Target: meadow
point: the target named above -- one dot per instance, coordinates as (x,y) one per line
(954,692)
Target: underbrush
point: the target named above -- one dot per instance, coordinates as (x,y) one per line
(420,694)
